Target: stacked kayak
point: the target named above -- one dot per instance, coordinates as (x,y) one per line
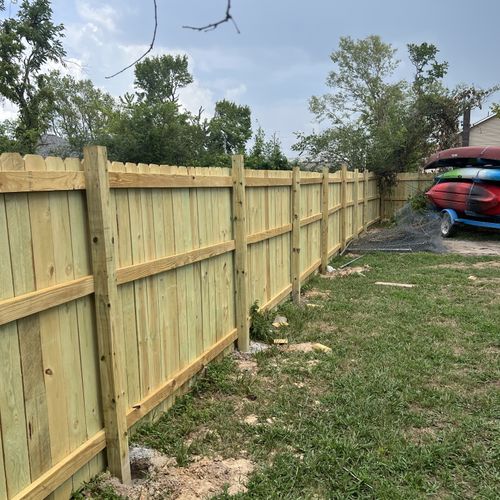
(469,192)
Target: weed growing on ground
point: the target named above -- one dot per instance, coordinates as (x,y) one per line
(96,489)
(260,324)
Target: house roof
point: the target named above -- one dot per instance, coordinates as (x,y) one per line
(483,120)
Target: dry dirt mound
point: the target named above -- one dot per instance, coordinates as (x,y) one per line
(158,477)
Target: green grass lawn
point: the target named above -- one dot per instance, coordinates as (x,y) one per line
(407,405)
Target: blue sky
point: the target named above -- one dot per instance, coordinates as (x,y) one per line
(281,57)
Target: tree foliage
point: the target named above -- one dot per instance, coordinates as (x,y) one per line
(266,154)
(160,78)
(27,43)
(230,128)
(148,125)
(81,112)
(378,122)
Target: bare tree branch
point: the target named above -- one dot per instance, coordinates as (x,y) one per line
(147,51)
(212,26)
(209,27)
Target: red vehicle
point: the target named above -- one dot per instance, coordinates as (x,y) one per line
(469,193)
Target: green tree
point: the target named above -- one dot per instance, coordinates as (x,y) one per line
(358,84)
(8,142)
(229,129)
(82,112)
(428,71)
(149,125)
(153,134)
(388,126)
(27,43)
(160,78)
(266,154)
(365,109)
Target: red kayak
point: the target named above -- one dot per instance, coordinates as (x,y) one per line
(465,197)
(465,156)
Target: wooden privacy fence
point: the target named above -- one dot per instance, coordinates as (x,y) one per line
(407,185)
(119,282)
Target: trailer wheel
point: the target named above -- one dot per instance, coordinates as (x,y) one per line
(448,227)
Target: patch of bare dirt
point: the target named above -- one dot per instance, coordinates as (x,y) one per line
(307,347)
(247,366)
(419,435)
(472,247)
(245,362)
(251,420)
(347,271)
(457,350)
(462,265)
(316,294)
(324,326)
(204,478)
(198,435)
(450,323)
(492,387)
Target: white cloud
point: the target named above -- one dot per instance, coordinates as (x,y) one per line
(195,96)
(234,93)
(72,67)
(8,111)
(101,15)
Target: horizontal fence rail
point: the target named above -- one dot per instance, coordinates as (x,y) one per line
(119,282)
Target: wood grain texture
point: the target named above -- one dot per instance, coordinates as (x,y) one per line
(63,470)
(15,473)
(324,220)
(343,206)
(240,237)
(46,298)
(144,406)
(295,247)
(108,323)
(153,267)
(32,181)
(126,180)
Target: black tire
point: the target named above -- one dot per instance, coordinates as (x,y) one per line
(448,228)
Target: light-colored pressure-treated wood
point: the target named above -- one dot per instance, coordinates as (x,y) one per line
(26,181)
(108,323)
(324,220)
(295,252)
(46,298)
(180,255)
(240,257)
(343,207)
(366,219)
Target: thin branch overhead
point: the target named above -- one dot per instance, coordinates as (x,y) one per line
(212,26)
(209,27)
(150,48)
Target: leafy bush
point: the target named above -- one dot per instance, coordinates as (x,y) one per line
(419,202)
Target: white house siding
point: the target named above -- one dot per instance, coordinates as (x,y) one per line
(486,133)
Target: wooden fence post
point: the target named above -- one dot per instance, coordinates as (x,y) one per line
(240,252)
(108,322)
(343,207)
(355,213)
(365,199)
(324,220)
(295,257)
